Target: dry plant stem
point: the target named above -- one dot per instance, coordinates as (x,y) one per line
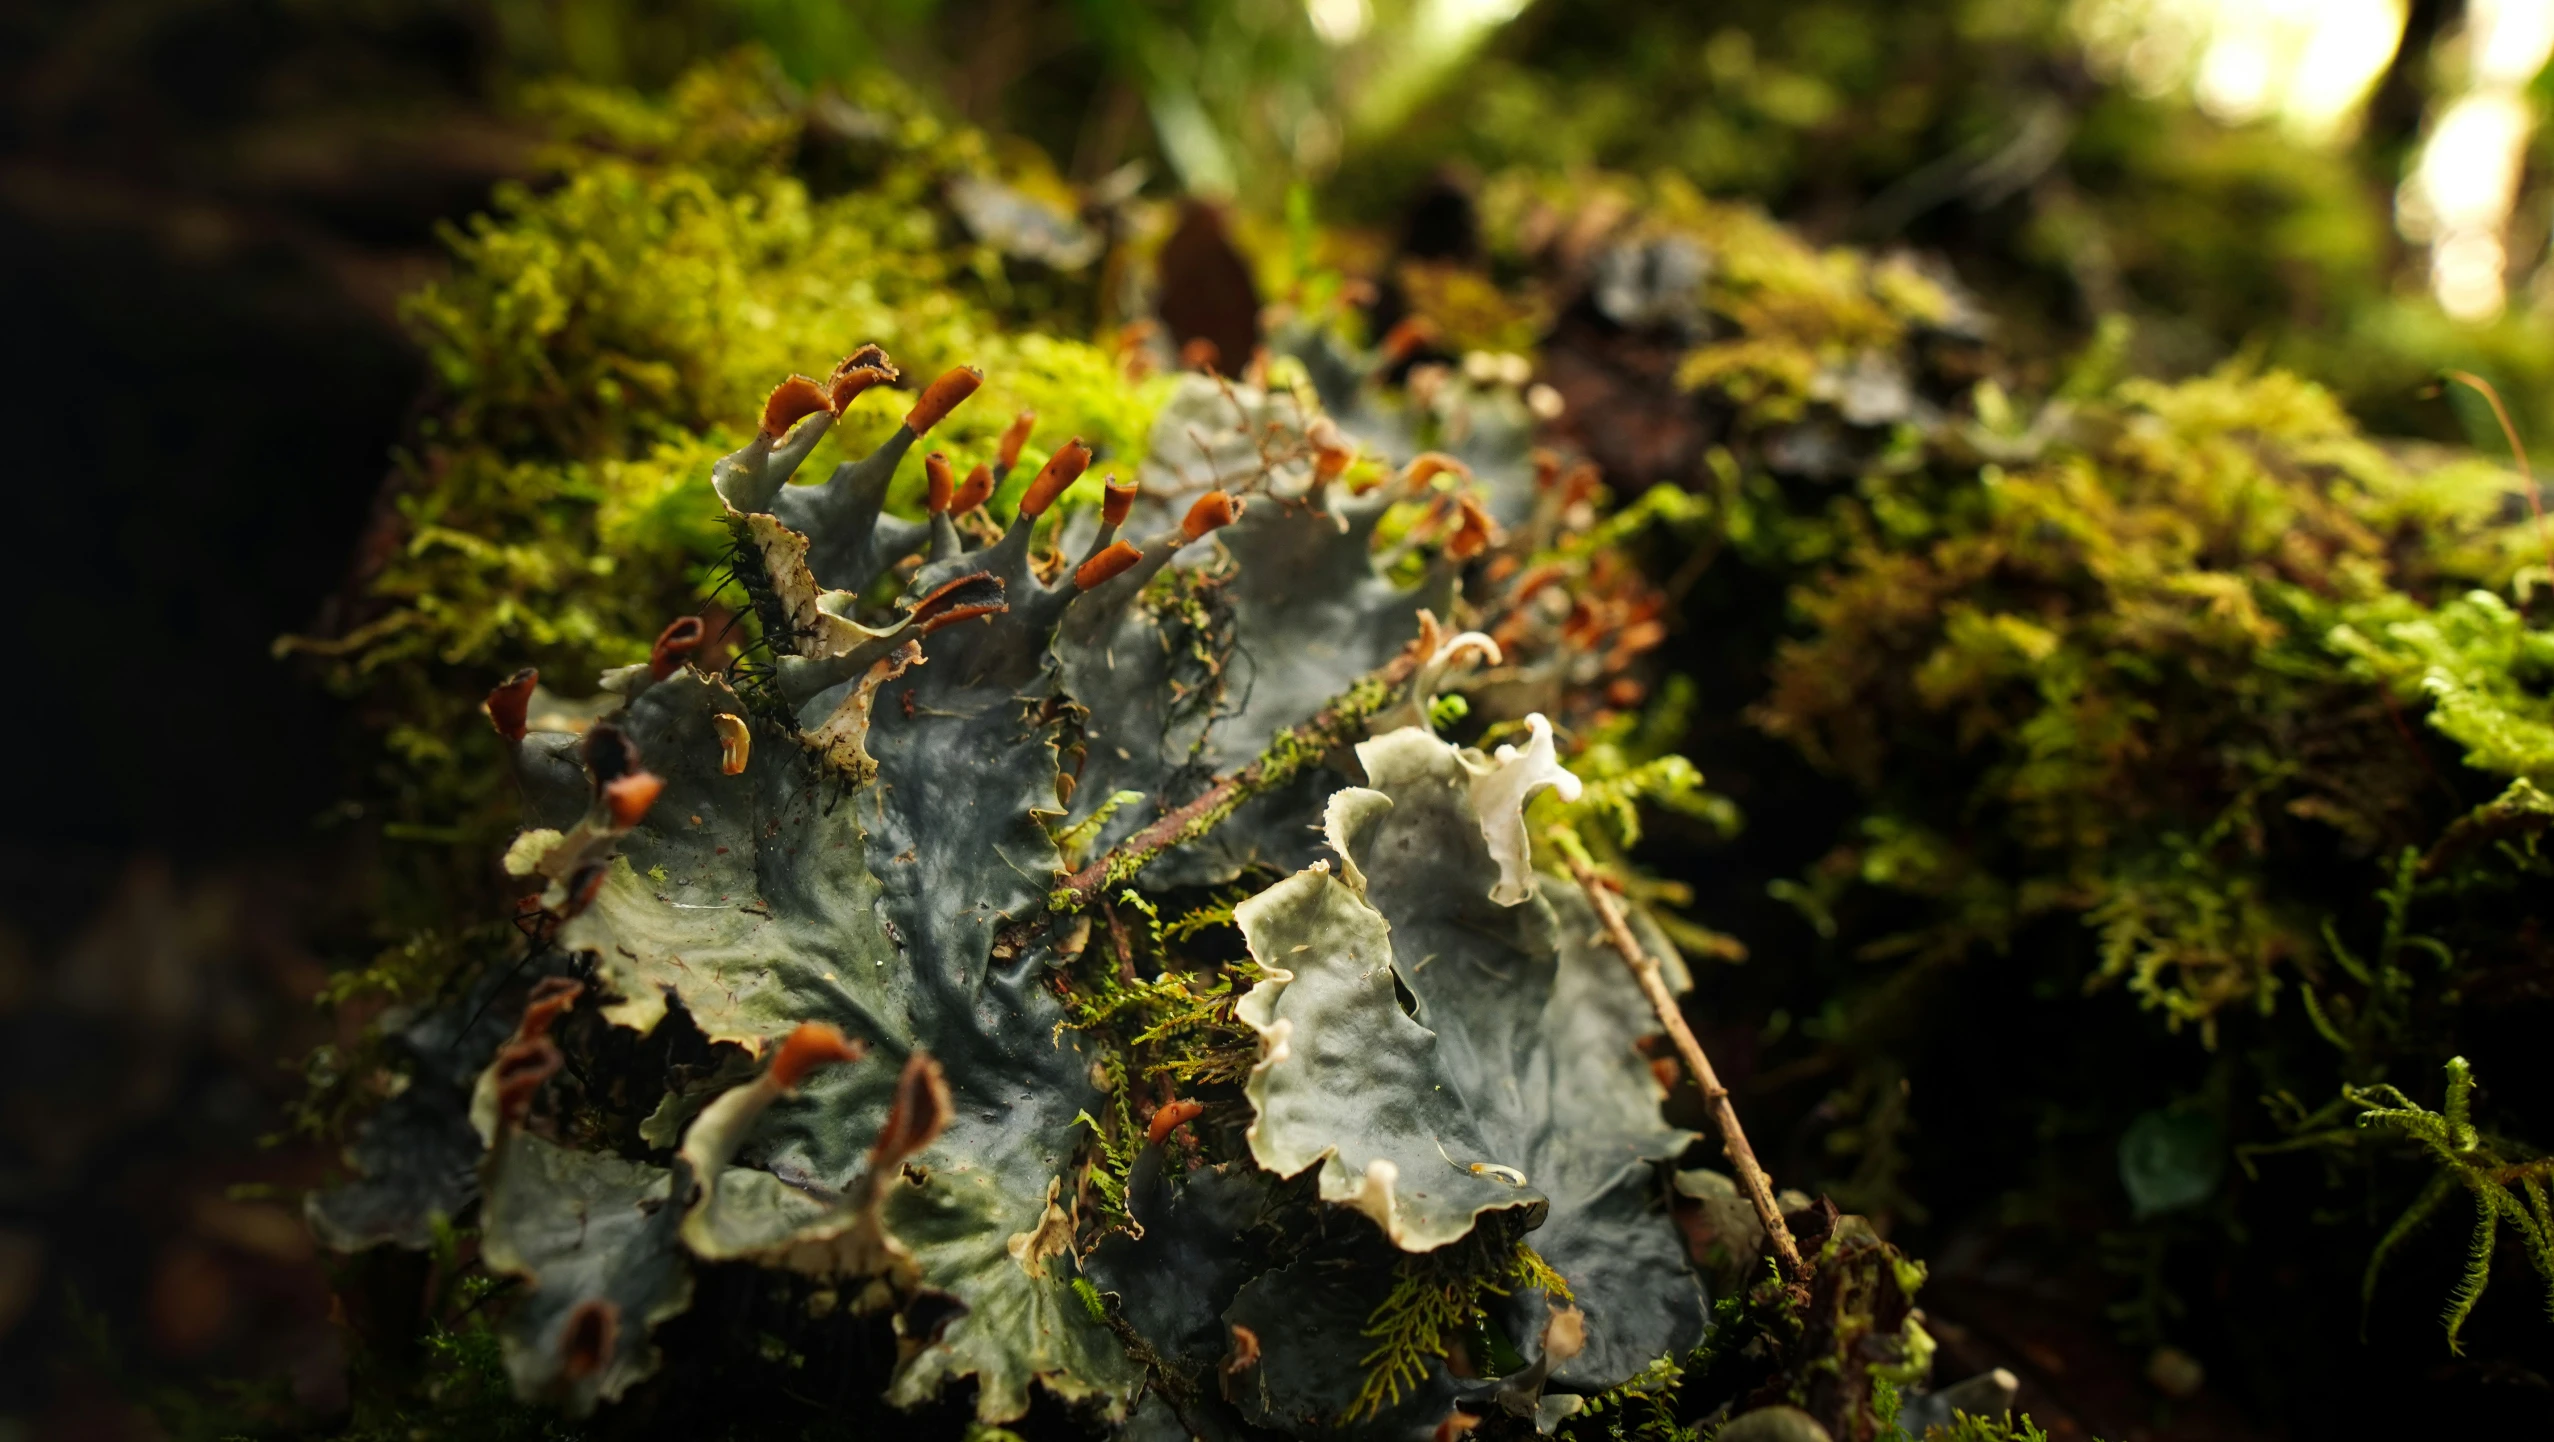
(1733,1138)
(2518,453)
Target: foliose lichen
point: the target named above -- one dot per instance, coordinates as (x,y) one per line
(943,1086)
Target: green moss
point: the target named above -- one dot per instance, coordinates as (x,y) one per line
(1437,1303)
(2507,1181)
(605,335)
(2145,645)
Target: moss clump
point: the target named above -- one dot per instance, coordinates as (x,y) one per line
(599,342)
(2119,646)
(2036,680)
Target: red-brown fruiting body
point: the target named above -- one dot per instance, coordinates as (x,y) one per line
(510,704)
(1331,452)
(1117,500)
(1404,340)
(941,397)
(943,479)
(792,401)
(1211,512)
(1060,471)
(529,1057)
(552,997)
(847,385)
(814,1044)
(977,490)
(609,752)
(519,1070)
(675,642)
(1170,1116)
(1107,565)
(1428,465)
(588,1341)
(1547,468)
(863,368)
(735,744)
(1454,1426)
(583,887)
(920,1110)
(1200,354)
(959,600)
(1243,1357)
(1640,636)
(1535,580)
(1667,1071)
(627,798)
(1014,436)
(872,356)
(1473,533)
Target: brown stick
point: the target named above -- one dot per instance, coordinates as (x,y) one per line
(1733,1137)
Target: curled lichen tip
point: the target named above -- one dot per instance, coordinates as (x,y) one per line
(941,397)
(1107,565)
(792,401)
(1060,471)
(1501,786)
(813,1044)
(1439,652)
(1210,512)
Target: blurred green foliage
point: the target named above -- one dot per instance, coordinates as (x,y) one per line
(1981,131)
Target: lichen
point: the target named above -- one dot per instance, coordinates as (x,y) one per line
(944,1085)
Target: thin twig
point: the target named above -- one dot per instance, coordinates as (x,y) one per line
(1733,1137)
(2518,453)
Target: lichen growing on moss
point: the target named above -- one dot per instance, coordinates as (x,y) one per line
(927,1079)
(600,338)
